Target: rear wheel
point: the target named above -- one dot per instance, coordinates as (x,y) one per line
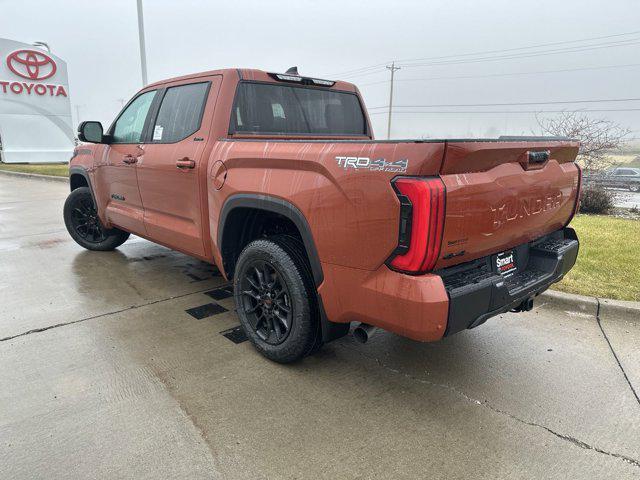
(276,300)
(84,226)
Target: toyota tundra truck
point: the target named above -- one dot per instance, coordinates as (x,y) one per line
(277,180)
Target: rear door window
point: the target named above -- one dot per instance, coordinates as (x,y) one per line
(264,108)
(180,113)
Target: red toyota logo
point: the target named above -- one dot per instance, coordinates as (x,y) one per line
(31,64)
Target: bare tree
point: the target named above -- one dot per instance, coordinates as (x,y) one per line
(597,136)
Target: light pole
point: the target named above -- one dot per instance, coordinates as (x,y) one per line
(393,68)
(77,108)
(143,53)
(44,45)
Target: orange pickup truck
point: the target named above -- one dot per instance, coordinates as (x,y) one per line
(277,180)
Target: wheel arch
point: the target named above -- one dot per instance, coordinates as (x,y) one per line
(233,222)
(78,177)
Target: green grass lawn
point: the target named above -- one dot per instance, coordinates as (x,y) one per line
(609,260)
(60,170)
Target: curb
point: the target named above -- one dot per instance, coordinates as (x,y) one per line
(618,309)
(570,302)
(35,176)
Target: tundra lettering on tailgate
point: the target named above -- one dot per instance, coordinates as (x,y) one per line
(514,208)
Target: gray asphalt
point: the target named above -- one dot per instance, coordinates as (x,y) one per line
(105,375)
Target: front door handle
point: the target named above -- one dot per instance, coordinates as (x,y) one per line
(185,163)
(129,159)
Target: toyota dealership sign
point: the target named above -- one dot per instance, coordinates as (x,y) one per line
(35,113)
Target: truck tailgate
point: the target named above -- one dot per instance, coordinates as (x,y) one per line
(500,194)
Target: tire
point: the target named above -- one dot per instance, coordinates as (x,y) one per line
(276,299)
(84,226)
(634,187)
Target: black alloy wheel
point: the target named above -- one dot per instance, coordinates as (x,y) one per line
(84,225)
(85,221)
(267,302)
(276,299)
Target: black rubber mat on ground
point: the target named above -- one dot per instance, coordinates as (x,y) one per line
(220,293)
(207,310)
(235,334)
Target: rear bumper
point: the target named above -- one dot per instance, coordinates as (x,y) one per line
(476,292)
(428,307)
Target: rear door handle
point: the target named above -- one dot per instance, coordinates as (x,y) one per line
(129,159)
(185,163)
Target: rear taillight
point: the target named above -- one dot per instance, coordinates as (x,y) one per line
(422,201)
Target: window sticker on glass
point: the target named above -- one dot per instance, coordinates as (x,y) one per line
(157,132)
(278,111)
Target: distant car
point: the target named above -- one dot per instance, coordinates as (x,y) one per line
(620,177)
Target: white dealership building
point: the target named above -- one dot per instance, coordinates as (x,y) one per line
(35,112)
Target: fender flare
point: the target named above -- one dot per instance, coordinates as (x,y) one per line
(281,207)
(76,170)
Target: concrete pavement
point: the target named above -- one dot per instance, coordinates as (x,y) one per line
(106,374)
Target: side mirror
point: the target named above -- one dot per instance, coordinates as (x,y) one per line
(90,132)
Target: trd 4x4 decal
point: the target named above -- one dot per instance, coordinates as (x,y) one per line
(375,165)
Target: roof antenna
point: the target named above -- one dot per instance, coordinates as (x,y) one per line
(292,71)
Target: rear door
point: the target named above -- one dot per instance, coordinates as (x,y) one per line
(169,176)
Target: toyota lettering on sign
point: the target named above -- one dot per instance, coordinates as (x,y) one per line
(35,112)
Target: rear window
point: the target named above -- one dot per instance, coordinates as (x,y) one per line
(284,109)
(180,113)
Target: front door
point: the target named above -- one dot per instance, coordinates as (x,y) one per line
(172,171)
(117,176)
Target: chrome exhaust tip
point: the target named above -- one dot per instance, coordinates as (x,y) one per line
(363,332)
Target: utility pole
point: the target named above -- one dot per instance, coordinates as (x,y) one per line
(143,53)
(393,68)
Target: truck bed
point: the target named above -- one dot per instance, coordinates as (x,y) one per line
(496,197)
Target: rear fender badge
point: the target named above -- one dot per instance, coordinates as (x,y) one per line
(117,196)
(375,165)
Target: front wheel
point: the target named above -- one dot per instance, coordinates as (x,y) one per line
(276,299)
(84,226)
(634,187)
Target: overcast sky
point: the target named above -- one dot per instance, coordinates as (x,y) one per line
(327,38)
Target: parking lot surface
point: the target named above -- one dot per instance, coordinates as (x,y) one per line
(626,199)
(113,365)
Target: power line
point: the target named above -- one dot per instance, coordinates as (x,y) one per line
(625,43)
(556,102)
(524,48)
(559,51)
(490,75)
(489,112)
(484,52)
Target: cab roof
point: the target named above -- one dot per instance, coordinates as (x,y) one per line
(252,75)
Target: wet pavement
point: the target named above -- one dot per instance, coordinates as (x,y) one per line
(113,365)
